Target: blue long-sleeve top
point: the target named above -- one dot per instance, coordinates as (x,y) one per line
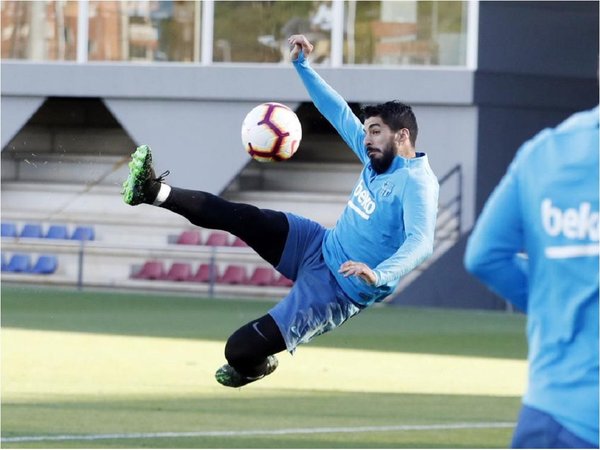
(389,220)
(546,206)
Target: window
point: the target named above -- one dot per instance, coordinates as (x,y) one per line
(39,30)
(405,32)
(144,31)
(257,31)
(386,32)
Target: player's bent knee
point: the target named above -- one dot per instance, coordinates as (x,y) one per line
(241,349)
(250,345)
(235,351)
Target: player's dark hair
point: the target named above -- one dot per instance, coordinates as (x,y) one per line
(396,115)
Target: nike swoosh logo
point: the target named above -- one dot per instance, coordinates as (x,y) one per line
(255,326)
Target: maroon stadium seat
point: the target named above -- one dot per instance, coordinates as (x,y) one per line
(189,237)
(151,270)
(234,275)
(283,281)
(203,273)
(179,272)
(237,242)
(217,238)
(262,276)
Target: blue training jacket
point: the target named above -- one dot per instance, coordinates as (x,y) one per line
(547,207)
(389,220)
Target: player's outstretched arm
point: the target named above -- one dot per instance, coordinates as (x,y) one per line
(326,99)
(497,238)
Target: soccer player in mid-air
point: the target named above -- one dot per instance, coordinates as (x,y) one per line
(384,232)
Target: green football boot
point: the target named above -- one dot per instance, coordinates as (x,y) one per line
(142,184)
(228,376)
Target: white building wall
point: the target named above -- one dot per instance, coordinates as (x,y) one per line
(191,115)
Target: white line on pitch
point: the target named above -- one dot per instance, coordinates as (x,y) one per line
(285,431)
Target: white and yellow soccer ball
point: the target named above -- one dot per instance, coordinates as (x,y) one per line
(271,132)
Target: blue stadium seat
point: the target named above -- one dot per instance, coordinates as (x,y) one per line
(19,263)
(9,229)
(82,233)
(46,264)
(4,264)
(57,232)
(31,230)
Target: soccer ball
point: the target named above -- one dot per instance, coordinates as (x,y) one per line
(271,132)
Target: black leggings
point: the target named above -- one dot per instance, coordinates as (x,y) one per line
(265,231)
(247,349)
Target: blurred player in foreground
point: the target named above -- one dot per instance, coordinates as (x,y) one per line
(546,207)
(384,232)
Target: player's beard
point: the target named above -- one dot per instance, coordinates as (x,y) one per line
(381,160)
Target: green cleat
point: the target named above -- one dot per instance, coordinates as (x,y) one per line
(228,376)
(142,184)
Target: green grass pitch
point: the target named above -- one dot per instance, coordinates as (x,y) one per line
(123,370)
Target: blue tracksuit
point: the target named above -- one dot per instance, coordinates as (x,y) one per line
(546,206)
(389,220)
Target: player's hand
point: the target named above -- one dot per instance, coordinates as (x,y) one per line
(299,42)
(360,270)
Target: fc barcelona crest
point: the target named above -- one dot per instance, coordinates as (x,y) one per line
(386,189)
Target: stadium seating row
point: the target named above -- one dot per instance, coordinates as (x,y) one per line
(21,263)
(215,238)
(35,230)
(233,274)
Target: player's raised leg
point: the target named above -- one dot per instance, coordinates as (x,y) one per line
(250,350)
(262,229)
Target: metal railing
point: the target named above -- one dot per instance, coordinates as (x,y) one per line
(94,264)
(450,210)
